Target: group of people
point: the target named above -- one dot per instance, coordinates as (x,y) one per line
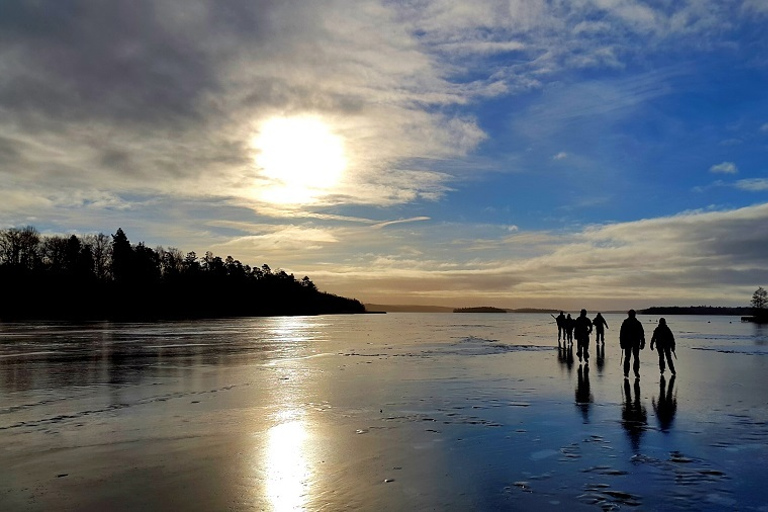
(631,338)
(581,328)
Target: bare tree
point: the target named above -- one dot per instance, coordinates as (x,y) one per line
(101,249)
(20,247)
(759,300)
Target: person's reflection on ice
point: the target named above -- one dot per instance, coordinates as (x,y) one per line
(666,405)
(565,356)
(584,397)
(634,417)
(600,349)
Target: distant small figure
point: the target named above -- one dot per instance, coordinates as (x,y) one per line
(665,345)
(582,330)
(632,341)
(560,320)
(600,326)
(569,324)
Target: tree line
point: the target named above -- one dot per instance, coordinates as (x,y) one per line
(107,277)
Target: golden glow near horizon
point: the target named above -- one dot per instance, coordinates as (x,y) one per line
(301,157)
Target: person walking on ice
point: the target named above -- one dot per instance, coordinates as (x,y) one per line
(582,328)
(600,326)
(632,341)
(665,345)
(560,321)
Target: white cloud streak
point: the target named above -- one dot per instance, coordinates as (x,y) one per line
(753,185)
(724,168)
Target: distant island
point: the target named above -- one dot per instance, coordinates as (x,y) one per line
(406,308)
(481,309)
(696,310)
(97,277)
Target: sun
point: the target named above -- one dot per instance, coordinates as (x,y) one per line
(301,158)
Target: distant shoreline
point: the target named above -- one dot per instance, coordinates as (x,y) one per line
(654,310)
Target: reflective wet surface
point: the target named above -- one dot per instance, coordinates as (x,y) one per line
(378,412)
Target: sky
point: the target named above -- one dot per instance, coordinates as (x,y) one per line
(559,154)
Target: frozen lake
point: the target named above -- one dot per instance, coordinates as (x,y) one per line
(404,411)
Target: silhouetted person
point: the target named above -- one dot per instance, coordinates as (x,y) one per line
(583,394)
(600,326)
(632,341)
(600,348)
(569,324)
(560,320)
(582,329)
(634,417)
(665,345)
(666,406)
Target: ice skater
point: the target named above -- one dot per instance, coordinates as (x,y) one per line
(582,329)
(632,341)
(569,328)
(560,321)
(665,345)
(600,326)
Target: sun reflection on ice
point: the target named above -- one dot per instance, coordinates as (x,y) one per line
(287,468)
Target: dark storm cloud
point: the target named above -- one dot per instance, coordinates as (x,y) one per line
(75,60)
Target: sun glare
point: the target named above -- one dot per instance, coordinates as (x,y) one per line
(301,157)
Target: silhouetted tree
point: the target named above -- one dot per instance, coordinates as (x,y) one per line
(307,283)
(145,264)
(101,251)
(122,256)
(759,305)
(759,300)
(54,253)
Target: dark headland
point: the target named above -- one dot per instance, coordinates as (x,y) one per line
(98,277)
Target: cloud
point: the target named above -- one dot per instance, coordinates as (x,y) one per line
(764,128)
(712,256)
(280,239)
(560,156)
(400,221)
(753,185)
(164,97)
(724,168)
(755,6)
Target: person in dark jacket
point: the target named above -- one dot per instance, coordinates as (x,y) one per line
(600,326)
(665,345)
(632,341)
(569,323)
(582,328)
(560,320)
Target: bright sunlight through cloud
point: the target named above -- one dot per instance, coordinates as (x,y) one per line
(301,157)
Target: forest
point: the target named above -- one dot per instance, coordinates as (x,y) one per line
(97,277)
